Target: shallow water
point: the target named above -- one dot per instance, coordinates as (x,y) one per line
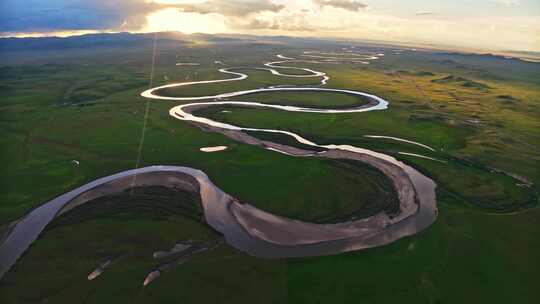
(213,149)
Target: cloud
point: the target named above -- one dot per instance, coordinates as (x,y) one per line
(425,13)
(507,3)
(292,21)
(240,14)
(125,15)
(232,8)
(40,15)
(311,19)
(351,5)
(330,18)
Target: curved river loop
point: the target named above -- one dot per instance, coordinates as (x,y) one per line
(245,227)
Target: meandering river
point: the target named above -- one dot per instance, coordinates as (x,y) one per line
(244,226)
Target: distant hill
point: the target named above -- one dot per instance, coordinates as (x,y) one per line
(144,39)
(465,82)
(84,41)
(416,73)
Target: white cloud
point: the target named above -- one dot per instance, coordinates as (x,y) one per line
(507,3)
(311,19)
(331,19)
(424,13)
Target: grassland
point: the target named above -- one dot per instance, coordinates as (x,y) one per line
(256,79)
(320,100)
(84,105)
(471,135)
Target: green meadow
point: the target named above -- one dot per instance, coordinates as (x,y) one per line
(479,113)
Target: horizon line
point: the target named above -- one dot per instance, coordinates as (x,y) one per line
(533,55)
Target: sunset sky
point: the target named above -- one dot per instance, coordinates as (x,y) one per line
(480,24)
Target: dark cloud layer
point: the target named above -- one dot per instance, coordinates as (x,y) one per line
(46,15)
(58,15)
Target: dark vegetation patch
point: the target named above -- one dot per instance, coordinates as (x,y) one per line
(446,62)
(155,202)
(484,188)
(424,73)
(428,117)
(464,82)
(339,190)
(387,199)
(507,99)
(94,89)
(416,73)
(308,99)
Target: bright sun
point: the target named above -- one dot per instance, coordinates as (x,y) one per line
(171,19)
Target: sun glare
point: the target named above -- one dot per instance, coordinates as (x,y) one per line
(174,20)
(177,1)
